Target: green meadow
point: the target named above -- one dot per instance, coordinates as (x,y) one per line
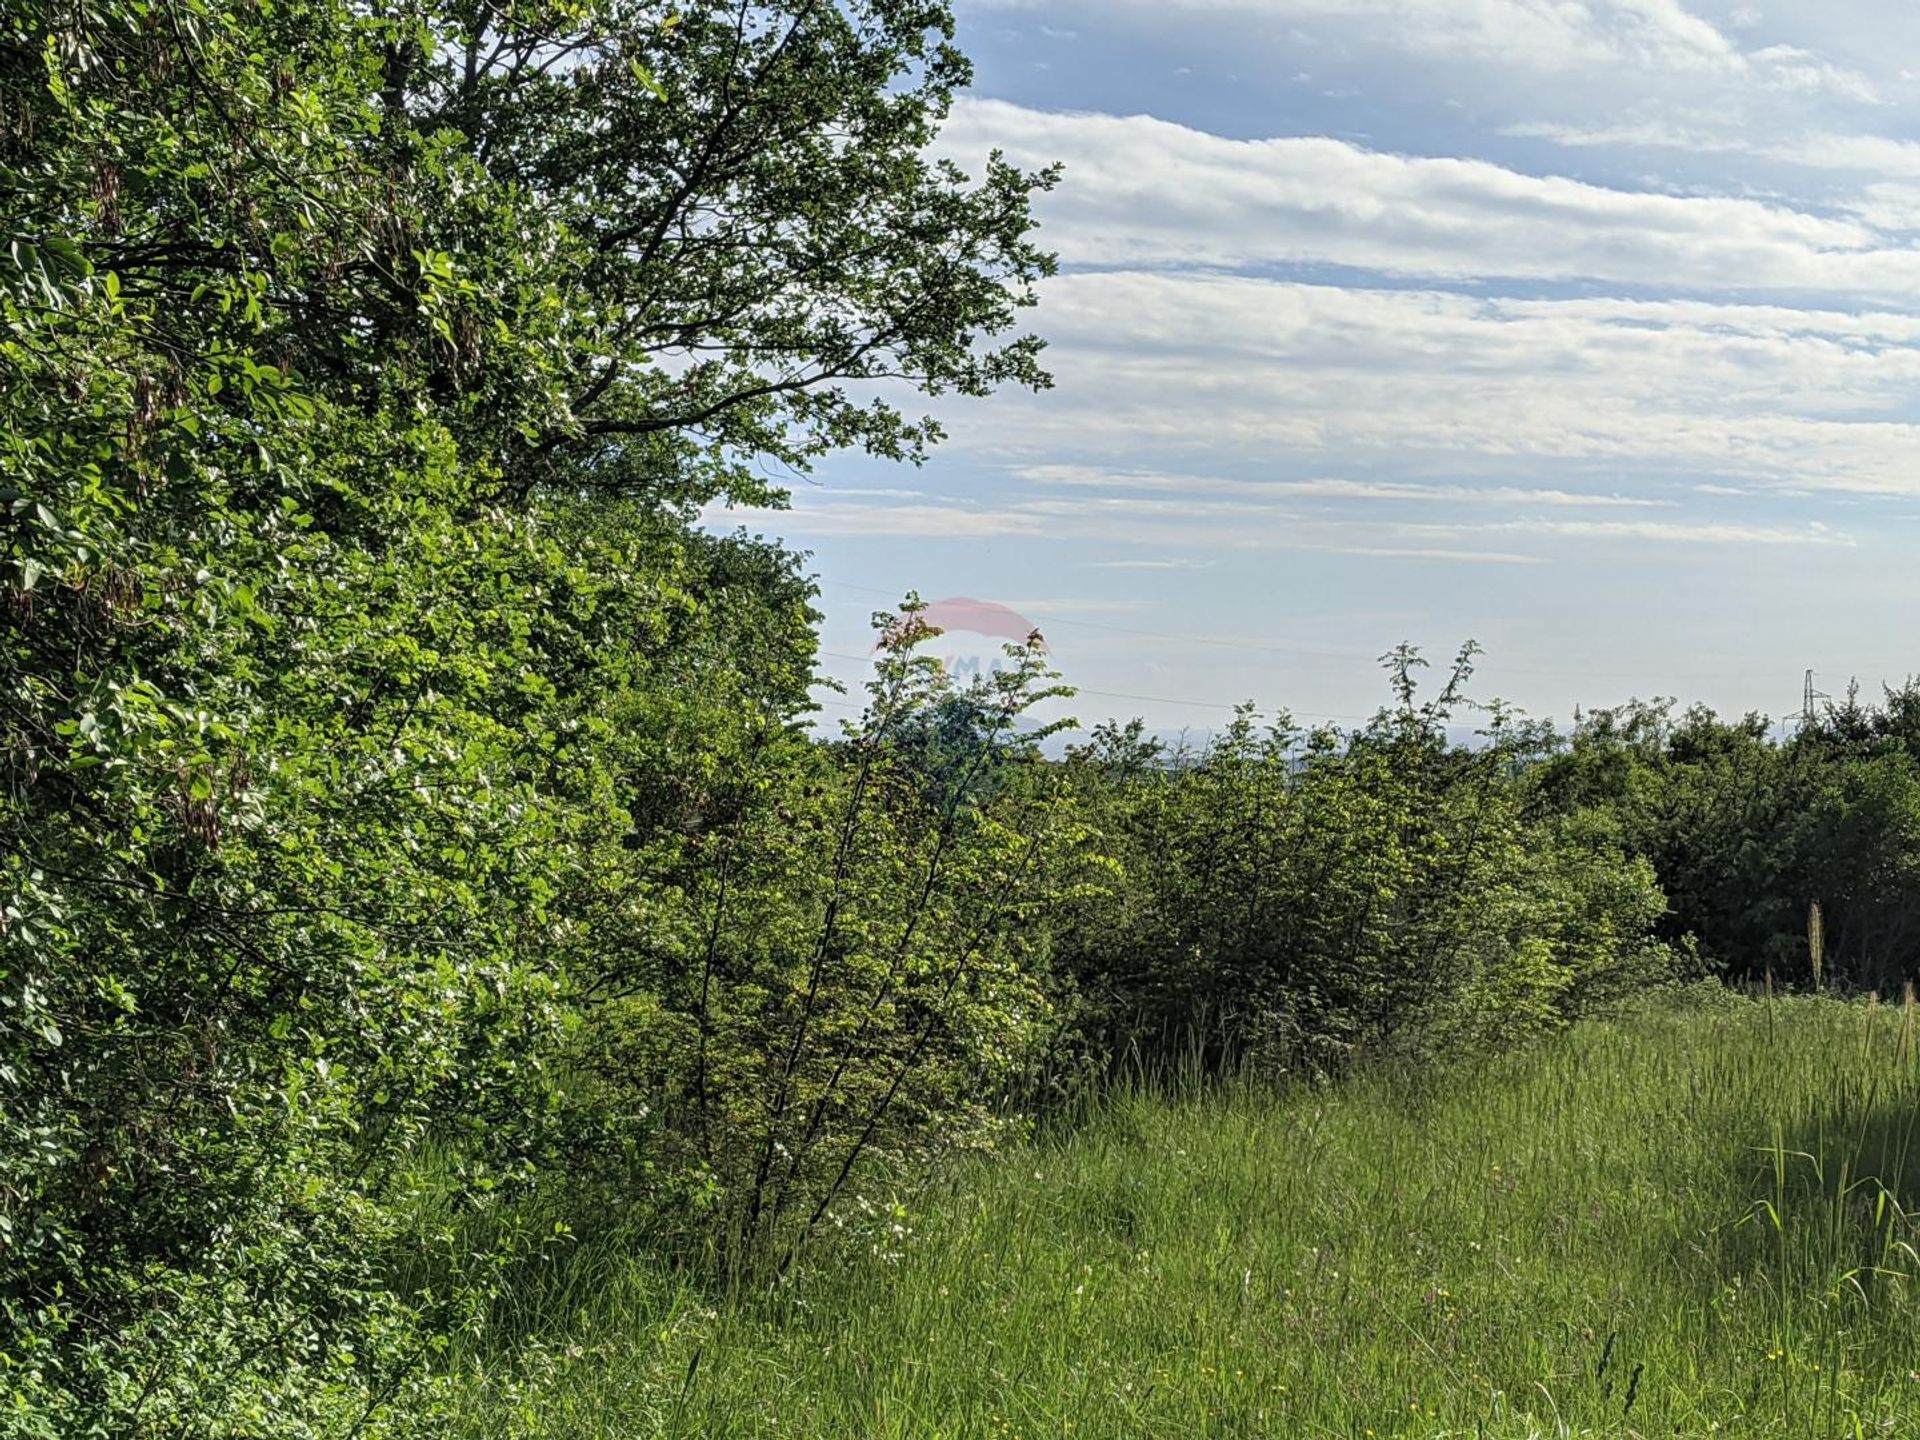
(1689,1222)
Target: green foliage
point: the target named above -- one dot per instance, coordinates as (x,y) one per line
(1298,897)
(361,372)
(835,969)
(1747,835)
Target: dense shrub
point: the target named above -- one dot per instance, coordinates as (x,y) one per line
(1297,897)
(1748,834)
(836,967)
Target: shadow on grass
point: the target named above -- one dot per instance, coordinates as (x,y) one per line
(1834,1208)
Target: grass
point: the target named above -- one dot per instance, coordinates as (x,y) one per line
(1680,1224)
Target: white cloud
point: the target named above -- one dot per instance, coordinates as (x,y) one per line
(1888,201)
(1637,135)
(1868,154)
(1165,563)
(871,492)
(1655,532)
(1404,552)
(1443,397)
(1553,34)
(1662,39)
(1201,522)
(1891,204)
(1141,191)
(1842,156)
(1328,488)
(1136,518)
(1789,68)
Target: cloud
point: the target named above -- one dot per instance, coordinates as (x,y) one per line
(1868,154)
(1449,399)
(1419,492)
(1656,533)
(1555,34)
(887,492)
(1146,192)
(1401,552)
(1254,524)
(1789,68)
(876,521)
(1661,39)
(1635,135)
(1164,563)
(1884,204)
(1200,522)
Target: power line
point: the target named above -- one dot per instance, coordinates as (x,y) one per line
(1322,653)
(1146,699)
(1152,634)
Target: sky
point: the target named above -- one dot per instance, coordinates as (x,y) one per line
(1585,329)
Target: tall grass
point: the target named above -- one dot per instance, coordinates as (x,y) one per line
(1680,1224)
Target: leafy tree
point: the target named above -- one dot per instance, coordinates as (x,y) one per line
(363,368)
(1748,834)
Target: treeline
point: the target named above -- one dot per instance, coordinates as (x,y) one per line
(1796,859)
(1296,897)
(415,847)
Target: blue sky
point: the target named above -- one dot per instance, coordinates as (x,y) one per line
(1589,329)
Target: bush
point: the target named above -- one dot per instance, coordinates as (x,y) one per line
(1297,898)
(1748,835)
(837,970)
